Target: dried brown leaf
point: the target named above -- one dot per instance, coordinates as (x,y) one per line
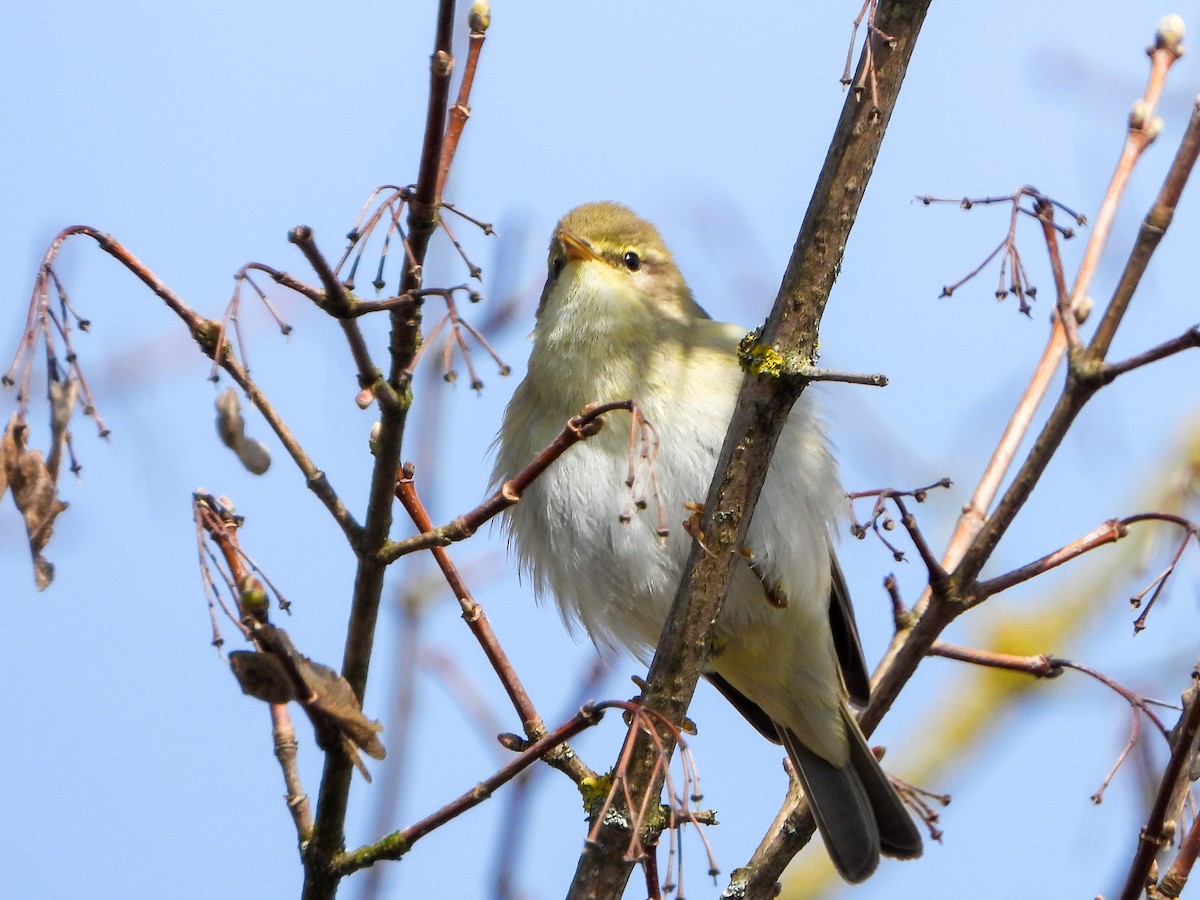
(332,694)
(280,673)
(263,676)
(232,429)
(35,492)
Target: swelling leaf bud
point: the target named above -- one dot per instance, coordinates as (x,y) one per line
(1169,35)
(480,16)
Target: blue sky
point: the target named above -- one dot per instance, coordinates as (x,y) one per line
(197,135)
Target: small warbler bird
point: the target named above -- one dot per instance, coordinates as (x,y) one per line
(617,321)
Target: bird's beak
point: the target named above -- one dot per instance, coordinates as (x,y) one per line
(576,247)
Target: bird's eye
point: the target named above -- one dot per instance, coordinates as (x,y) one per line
(632,261)
(558,262)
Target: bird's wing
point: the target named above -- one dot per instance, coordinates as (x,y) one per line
(752,712)
(845,639)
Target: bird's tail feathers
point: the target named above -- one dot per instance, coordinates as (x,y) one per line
(858,812)
(842,809)
(899,836)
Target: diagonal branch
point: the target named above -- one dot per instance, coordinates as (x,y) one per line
(1186,341)
(761,412)
(396,844)
(1085,376)
(535,729)
(208,334)
(1154,226)
(336,300)
(578,428)
(1137,139)
(977,534)
(1152,837)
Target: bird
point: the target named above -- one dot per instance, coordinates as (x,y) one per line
(616,321)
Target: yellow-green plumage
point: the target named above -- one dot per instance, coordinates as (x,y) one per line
(616,321)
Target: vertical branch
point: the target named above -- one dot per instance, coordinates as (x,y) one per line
(286,747)
(441,66)
(396,777)
(477,21)
(1144,126)
(321,877)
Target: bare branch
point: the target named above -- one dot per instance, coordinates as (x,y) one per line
(1040,666)
(1137,138)
(477,621)
(1085,371)
(760,414)
(577,429)
(1143,126)
(1190,530)
(478,20)
(1108,533)
(1186,341)
(1151,838)
(338,303)
(880,521)
(396,844)
(209,335)
(812,373)
(321,876)
(286,747)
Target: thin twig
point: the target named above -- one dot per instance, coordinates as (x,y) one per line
(206,333)
(1040,666)
(338,303)
(1190,530)
(1137,700)
(1086,369)
(975,512)
(1186,341)
(880,522)
(1110,532)
(812,373)
(578,428)
(1143,127)
(512,833)
(1135,735)
(396,844)
(476,619)
(478,20)
(286,746)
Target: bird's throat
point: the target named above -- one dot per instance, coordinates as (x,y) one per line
(591,328)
